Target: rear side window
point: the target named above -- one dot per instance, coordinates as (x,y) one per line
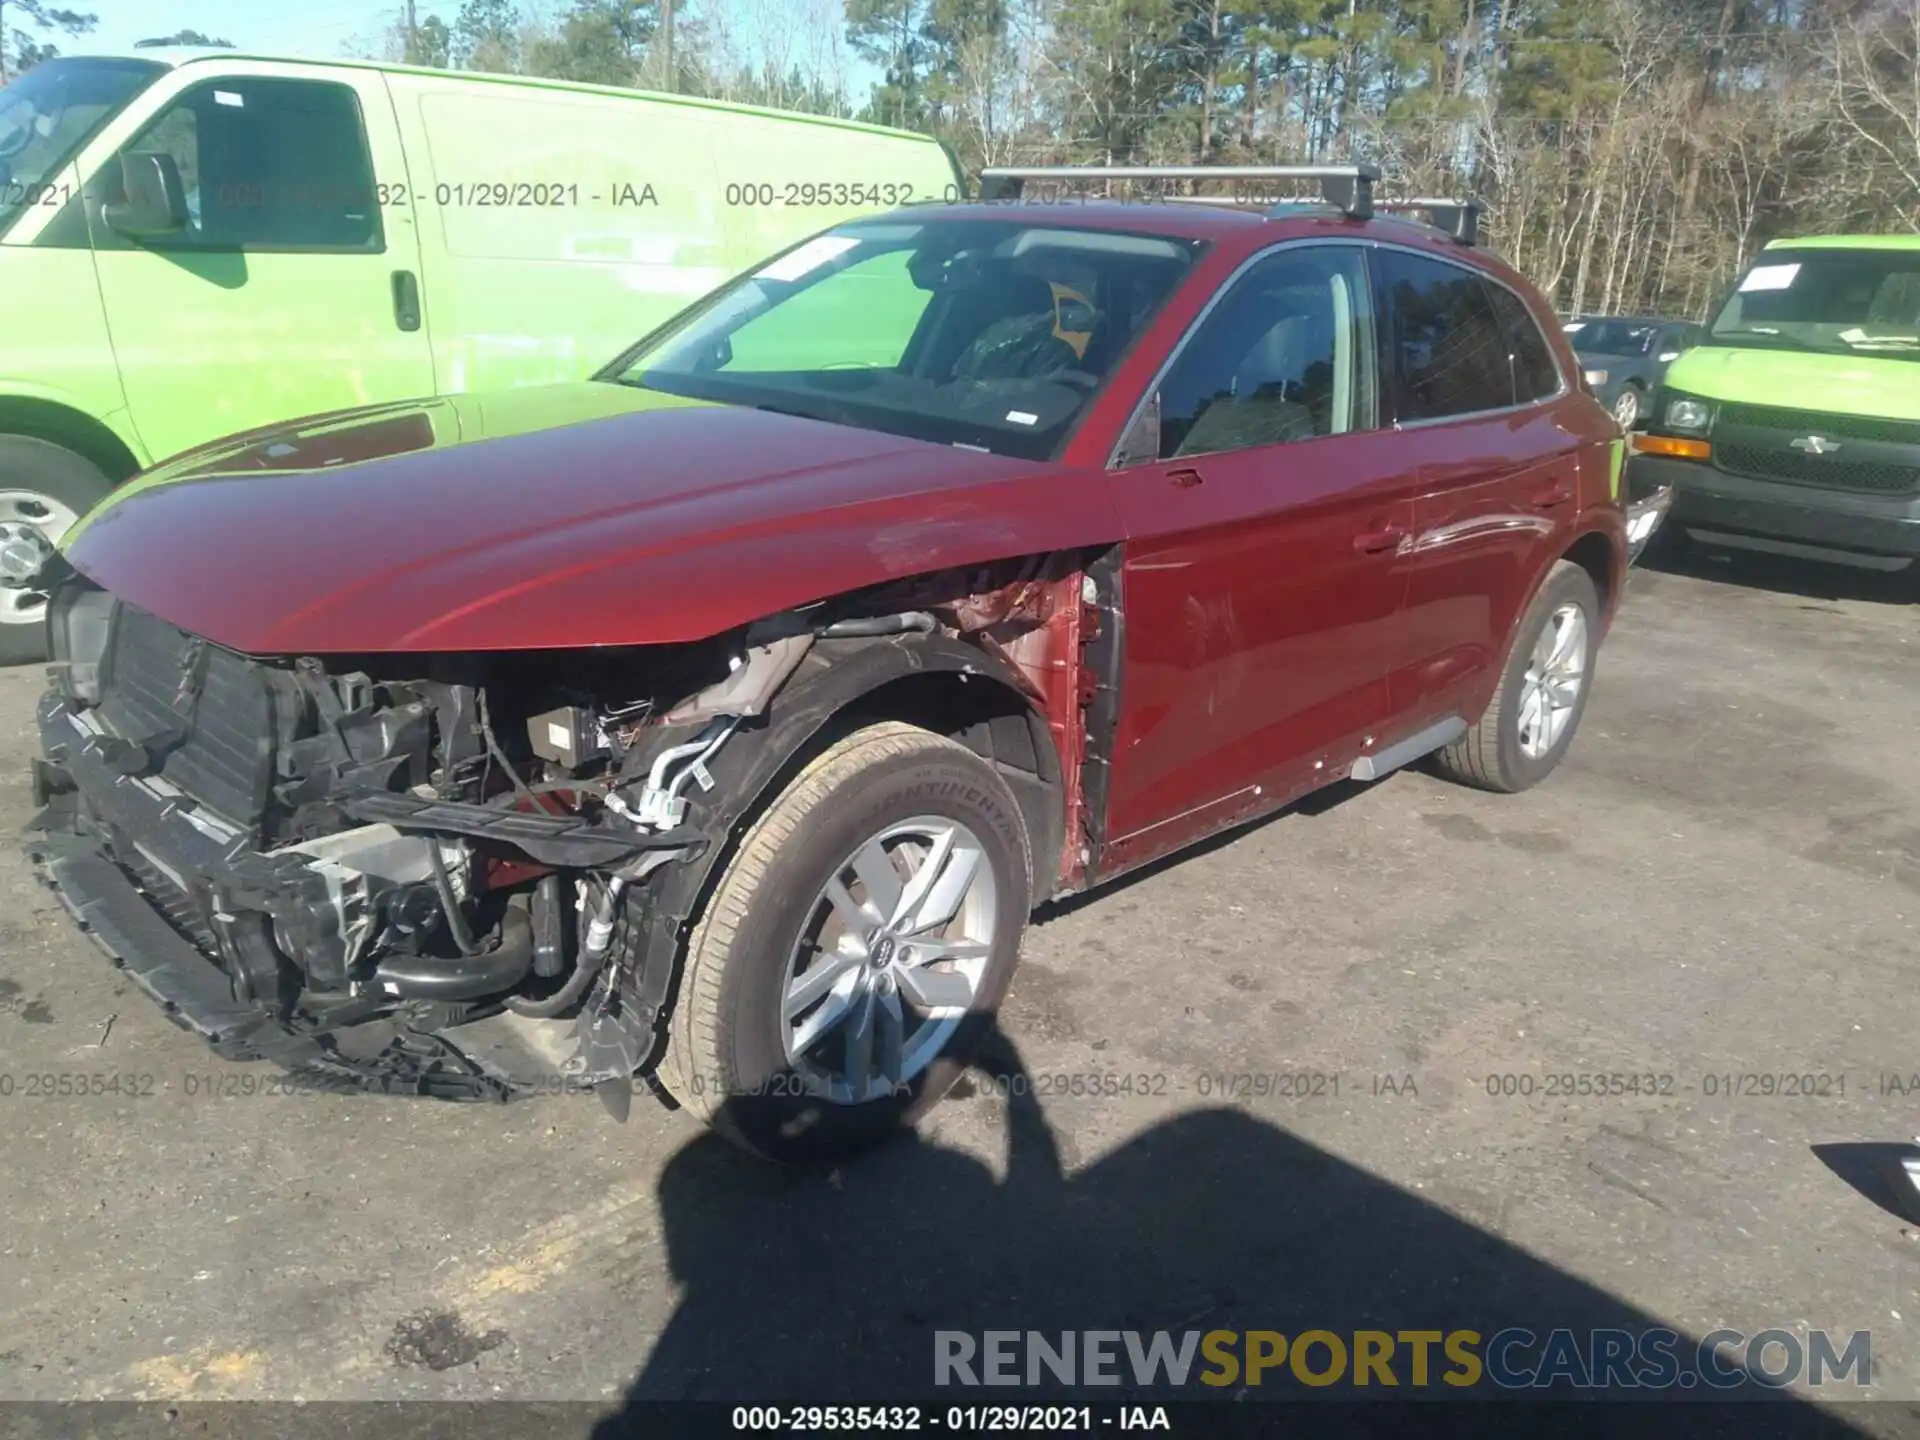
(1448,349)
(268,165)
(1535,375)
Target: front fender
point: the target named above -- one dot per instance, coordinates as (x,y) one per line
(831,681)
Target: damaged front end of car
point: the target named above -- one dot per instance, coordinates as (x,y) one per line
(466,875)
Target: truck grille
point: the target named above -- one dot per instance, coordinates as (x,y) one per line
(1869,456)
(217,747)
(1767,464)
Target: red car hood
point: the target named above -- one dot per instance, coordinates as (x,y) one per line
(578,515)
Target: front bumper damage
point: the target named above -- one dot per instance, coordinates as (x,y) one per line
(109,842)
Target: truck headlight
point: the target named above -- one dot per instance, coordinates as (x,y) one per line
(1692,416)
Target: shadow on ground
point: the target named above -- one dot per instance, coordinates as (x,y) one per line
(1877,1169)
(830,1286)
(1786,575)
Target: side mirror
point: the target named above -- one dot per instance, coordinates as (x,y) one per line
(1141,443)
(156,201)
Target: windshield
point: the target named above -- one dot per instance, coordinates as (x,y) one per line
(48,113)
(1614,337)
(986,333)
(1834,302)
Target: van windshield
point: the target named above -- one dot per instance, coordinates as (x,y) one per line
(985,333)
(49,113)
(1832,302)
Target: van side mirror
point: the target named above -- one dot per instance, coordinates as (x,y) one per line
(156,201)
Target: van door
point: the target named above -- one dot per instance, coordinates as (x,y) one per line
(559,226)
(288,290)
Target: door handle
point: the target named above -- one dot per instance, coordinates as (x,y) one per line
(406,300)
(1372,542)
(1548,496)
(1184,479)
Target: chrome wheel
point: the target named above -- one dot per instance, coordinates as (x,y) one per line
(22,513)
(889,960)
(1626,407)
(1555,672)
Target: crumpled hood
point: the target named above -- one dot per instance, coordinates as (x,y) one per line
(1883,387)
(562,516)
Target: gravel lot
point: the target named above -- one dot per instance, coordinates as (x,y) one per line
(1723,881)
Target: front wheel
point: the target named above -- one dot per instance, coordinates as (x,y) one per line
(1543,691)
(46,489)
(856,949)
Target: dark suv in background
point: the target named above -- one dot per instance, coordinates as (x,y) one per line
(1624,357)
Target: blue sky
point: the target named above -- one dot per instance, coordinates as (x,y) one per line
(306,27)
(320,29)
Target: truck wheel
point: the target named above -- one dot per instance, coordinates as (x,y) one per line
(1543,691)
(44,488)
(856,949)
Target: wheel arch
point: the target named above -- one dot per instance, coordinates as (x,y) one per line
(938,681)
(1595,552)
(71,429)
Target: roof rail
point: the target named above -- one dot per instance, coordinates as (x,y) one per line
(1349,187)
(1459,219)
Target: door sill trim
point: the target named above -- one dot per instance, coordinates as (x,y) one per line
(1419,744)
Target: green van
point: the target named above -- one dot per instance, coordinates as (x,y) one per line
(1794,425)
(194,243)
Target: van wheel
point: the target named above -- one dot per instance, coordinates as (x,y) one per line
(43,488)
(856,949)
(1543,691)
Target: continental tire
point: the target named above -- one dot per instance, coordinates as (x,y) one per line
(1543,692)
(825,948)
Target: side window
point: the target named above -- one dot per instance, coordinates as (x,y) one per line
(1449,355)
(268,165)
(1286,354)
(1536,376)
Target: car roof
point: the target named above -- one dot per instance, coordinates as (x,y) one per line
(1847,242)
(174,56)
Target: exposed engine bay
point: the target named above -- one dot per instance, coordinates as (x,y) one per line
(468,875)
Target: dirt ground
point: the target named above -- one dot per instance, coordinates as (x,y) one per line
(1719,888)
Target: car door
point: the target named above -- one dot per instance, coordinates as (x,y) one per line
(1498,475)
(290,290)
(1261,581)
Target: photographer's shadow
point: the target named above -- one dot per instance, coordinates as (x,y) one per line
(830,1286)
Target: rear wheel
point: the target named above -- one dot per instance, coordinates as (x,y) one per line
(1626,406)
(46,489)
(1543,690)
(856,949)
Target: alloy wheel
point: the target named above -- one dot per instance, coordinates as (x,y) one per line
(1556,671)
(890,958)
